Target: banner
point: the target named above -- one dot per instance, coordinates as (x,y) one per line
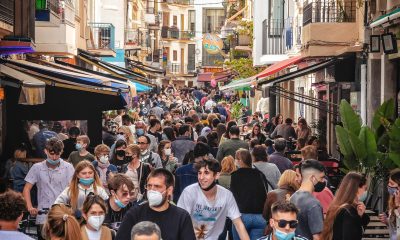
(212,43)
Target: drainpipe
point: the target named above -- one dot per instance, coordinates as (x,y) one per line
(364,91)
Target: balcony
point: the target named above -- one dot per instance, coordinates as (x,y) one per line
(44,9)
(280,36)
(178,69)
(6,17)
(101,40)
(180,2)
(134,39)
(174,33)
(332,23)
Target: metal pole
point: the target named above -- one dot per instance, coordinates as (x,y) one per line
(364,93)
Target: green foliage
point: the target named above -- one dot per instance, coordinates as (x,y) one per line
(243,66)
(236,111)
(246,28)
(364,149)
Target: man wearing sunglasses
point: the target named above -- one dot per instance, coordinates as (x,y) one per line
(283,222)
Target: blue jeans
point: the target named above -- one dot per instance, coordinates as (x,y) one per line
(255,225)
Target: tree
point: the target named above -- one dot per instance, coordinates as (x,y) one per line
(243,66)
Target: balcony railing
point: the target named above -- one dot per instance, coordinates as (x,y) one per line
(181,2)
(176,68)
(44,7)
(102,36)
(134,37)
(280,35)
(7,11)
(324,11)
(174,33)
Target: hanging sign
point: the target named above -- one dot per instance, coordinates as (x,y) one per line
(212,43)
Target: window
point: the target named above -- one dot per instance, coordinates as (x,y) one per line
(192,20)
(175,55)
(175,21)
(276,15)
(264,36)
(213,20)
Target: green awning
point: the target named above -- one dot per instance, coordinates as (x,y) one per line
(386,18)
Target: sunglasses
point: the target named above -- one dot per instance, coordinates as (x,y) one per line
(142,143)
(283,223)
(121,133)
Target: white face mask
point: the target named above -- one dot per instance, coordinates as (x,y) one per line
(96,221)
(103,159)
(167,151)
(144,152)
(155,198)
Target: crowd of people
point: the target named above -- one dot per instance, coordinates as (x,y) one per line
(178,166)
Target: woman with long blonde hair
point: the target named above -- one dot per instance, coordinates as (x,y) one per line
(61,224)
(346,214)
(84,181)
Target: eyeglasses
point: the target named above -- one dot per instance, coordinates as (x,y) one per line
(142,143)
(283,223)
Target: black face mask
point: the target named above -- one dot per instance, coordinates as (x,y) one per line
(209,187)
(128,158)
(120,153)
(319,186)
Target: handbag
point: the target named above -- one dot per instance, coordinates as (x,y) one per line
(264,180)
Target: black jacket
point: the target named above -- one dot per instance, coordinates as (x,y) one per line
(348,225)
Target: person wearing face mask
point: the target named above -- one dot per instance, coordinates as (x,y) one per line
(168,160)
(51,177)
(392,218)
(102,164)
(136,170)
(85,181)
(69,144)
(346,215)
(146,154)
(283,222)
(183,143)
(118,157)
(209,204)
(121,189)
(174,222)
(311,215)
(82,143)
(93,211)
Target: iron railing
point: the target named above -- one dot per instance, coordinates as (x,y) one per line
(177,68)
(102,36)
(134,37)
(174,33)
(53,5)
(280,35)
(181,2)
(7,11)
(317,11)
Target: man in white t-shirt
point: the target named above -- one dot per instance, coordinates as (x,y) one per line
(209,204)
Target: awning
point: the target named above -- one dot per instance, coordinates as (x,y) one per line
(278,66)
(33,90)
(59,78)
(300,72)
(204,77)
(386,18)
(116,70)
(217,76)
(242,84)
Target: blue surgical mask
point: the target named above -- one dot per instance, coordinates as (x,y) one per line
(392,190)
(78,146)
(140,132)
(283,236)
(119,203)
(86,181)
(53,162)
(363,197)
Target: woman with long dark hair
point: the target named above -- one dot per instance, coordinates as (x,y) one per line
(346,215)
(256,133)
